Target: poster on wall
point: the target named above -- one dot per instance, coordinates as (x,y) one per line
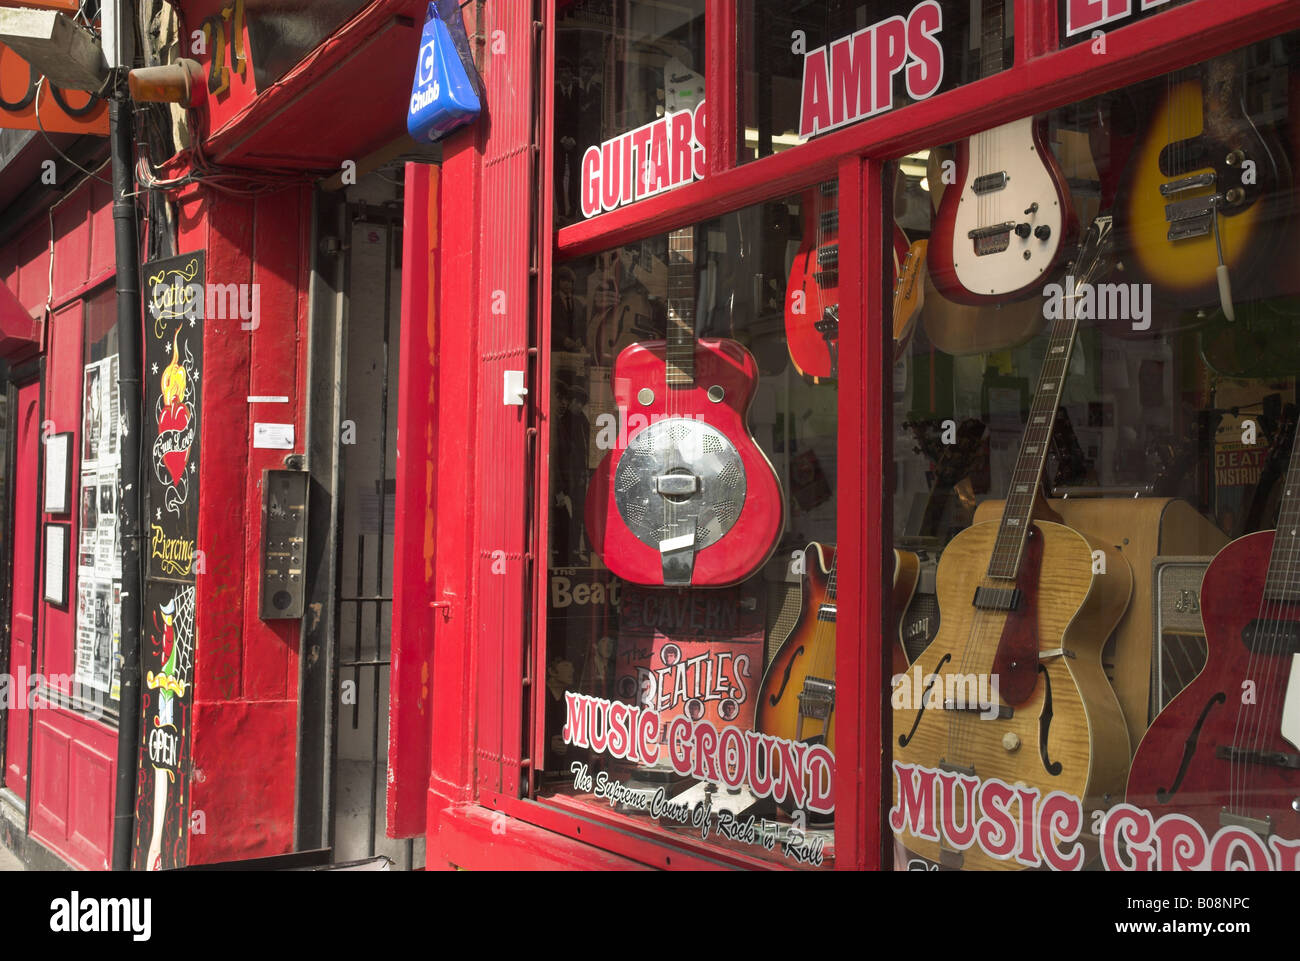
(166,702)
(88,516)
(173,367)
(107,560)
(97,612)
(92,416)
(99,563)
(115,682)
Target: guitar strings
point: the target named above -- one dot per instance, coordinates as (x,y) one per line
(1269,695)
(1272,697)
(964,730)
(1266,719)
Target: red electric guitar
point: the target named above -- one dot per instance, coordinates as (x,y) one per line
(1226,751)
(1006,221)
(691,500)
(812,295)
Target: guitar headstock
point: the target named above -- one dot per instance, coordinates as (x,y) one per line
(1096,255)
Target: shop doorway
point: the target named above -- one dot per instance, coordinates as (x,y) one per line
(21,541)
(347,631)
(368,442)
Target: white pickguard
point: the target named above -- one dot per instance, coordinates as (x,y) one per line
(1010,149)
(1291,706)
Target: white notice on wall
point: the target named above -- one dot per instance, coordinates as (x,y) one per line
(273,436)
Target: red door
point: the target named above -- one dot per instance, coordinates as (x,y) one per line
(22,620)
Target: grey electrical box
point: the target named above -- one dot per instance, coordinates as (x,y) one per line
(284,543)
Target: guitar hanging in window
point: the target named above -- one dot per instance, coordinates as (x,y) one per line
(690,500)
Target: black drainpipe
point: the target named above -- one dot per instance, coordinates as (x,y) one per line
(130,369)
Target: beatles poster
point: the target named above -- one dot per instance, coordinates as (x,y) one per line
(692,653)
(174,301)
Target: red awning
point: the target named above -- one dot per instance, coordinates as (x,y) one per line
(20,333)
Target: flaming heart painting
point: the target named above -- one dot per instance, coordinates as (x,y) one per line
(174,415)
(173,361)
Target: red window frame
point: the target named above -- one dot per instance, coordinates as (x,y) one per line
(1043,77)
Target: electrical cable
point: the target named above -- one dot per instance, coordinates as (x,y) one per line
(40,127)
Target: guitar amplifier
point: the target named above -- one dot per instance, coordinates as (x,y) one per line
(920,622)
(1179,647)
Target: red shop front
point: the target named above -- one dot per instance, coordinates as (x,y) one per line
(737,311)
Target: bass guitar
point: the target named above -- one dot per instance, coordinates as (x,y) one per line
(691,500)
(1198,205)
(1007,219)
(1225,752)
(1027,604)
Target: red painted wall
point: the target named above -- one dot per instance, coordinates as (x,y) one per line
(73,757)
(246,674)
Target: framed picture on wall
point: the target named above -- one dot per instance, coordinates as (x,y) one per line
(58,473)
(56,564)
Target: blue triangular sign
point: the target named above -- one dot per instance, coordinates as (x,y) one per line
(442,95)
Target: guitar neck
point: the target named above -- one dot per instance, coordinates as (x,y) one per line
(991,36)
(1283,580)
(1221,86)
(680,354)
(1025,480)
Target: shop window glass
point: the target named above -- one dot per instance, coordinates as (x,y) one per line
(810,67)
(629,93)
(98,551)
(1094,419)
(691,627)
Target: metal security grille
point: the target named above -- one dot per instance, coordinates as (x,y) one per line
(367,489)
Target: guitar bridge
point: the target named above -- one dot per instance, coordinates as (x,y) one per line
(992,239)
(1191,218)
(829,325)
(816,703)
(1280,759)
(1262,827)
(829,328)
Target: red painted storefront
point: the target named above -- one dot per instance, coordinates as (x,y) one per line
(469,646)
(473,641)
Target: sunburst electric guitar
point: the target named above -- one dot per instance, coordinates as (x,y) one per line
(1199,204)
(797,699)
(1027,603)
(1226,751)
(691,500)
